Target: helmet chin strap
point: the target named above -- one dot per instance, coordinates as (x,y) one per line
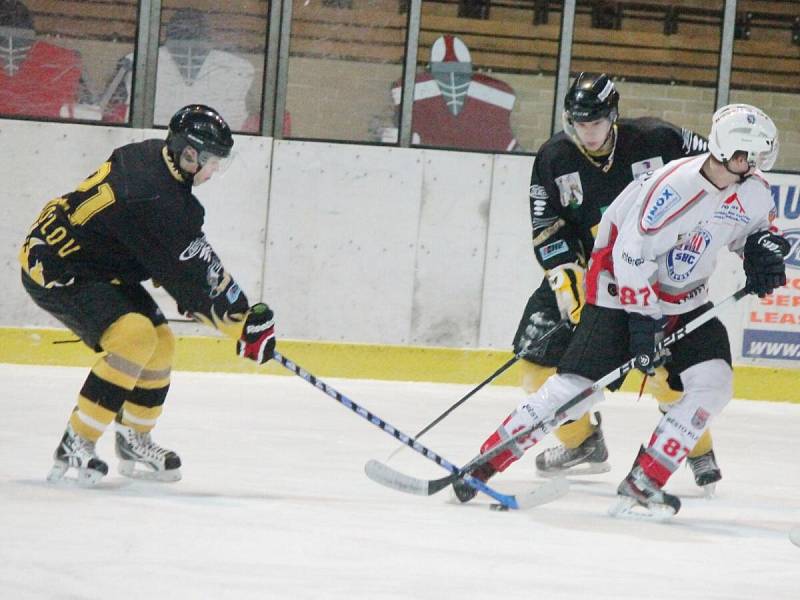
(609,162)
(742,176)
(174,165)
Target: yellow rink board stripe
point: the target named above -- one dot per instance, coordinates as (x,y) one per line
(358,361)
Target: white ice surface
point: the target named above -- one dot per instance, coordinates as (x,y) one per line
(274,503)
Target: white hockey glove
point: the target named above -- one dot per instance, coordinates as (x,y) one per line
(566,281)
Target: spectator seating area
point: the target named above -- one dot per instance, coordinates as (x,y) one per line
(646,40)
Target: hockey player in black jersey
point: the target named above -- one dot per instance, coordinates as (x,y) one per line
(83,261)
(576,175)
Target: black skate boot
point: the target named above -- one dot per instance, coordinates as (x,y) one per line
(706,472)
(637,489)
(464,491)
(587,459)
(132,448)
(79,454)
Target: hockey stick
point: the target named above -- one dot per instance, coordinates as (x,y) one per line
(506,500)
(508,364)
(392,478)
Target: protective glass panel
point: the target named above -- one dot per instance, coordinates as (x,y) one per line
(766,68)
(663,56)
(486,75)
(209,53)
(343,57)
(56,57)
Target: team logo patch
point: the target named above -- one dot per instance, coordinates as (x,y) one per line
(570,189)
(198,246)
(732,210)
(682,259)
(700,418)
(646,167)
(659,207)
(554,249)
(537,192)
(233,293)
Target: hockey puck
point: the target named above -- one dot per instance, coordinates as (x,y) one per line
(794,536)
(500,507)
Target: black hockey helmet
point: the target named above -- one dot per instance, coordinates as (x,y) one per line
(591,97)
(202,128)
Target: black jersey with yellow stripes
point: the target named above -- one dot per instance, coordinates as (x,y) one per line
(134,219)
(570,190)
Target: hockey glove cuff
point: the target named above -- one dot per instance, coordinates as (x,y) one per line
(763,262)
(566,281)
(645,334)
(258,334)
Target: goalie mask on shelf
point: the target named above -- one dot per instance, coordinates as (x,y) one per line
(451,66)
(17,35)
(188,41)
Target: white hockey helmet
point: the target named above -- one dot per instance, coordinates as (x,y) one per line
(745,128)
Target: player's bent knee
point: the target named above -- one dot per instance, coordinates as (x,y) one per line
(132,337)
(165,347)
(559,389)
(713,379)
(534,375)
(659,387)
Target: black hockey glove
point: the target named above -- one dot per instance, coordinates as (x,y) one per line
(258,334)
(645,334)
(763,262)
(529,345)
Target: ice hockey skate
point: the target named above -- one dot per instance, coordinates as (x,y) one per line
(590,458)
(74,452)
(640,497)
(706,472)
(141,458)
(463,491)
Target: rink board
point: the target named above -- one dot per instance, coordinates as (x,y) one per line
(359,361)
(366,245)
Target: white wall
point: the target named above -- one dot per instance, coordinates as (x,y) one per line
(358,243)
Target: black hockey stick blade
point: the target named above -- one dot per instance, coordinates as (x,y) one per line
(548,491)
(389,477)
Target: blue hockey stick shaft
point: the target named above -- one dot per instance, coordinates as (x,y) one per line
(504,499)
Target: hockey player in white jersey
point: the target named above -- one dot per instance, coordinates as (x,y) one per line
(654,254)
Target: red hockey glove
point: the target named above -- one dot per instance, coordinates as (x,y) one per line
(258,335)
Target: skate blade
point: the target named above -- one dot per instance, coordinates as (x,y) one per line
(628,508)
(709,491)
(578,470)
(83,478)
(127,468)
